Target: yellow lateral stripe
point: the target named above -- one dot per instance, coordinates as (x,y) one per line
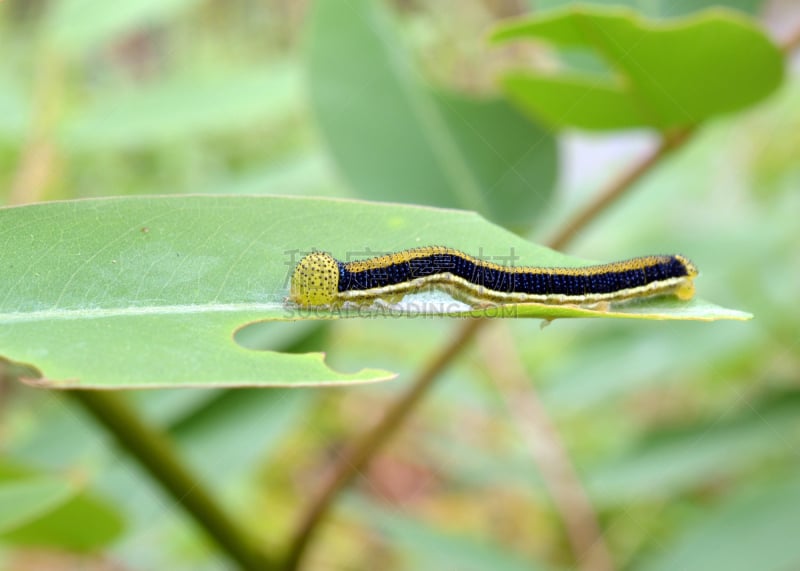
(425,251)
(479,293)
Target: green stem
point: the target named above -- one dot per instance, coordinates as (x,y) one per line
(153,451)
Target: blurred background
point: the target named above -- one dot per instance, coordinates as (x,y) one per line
(685,435)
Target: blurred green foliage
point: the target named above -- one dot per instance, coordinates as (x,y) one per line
(686,435)
(658,8)
(51,511)
(662,76)
(426,146)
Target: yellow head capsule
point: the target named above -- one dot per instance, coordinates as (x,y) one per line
(315,281)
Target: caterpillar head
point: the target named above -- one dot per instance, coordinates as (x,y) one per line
(315,281)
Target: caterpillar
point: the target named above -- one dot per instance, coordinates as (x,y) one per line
(320,280)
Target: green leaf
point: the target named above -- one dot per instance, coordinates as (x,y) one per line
(658,8)
(41,510)
(182,109)
(668,74)
(513,160)
(649,363)
(668,8)
(148,291)
(165,407)
(256,420)
(665,464)
(25,499)
(756,529)
(82,524)
(395,139)
(431,548)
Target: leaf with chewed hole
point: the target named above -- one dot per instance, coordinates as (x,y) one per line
(147,292)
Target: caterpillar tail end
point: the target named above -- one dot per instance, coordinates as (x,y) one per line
(315,281)
(685,290)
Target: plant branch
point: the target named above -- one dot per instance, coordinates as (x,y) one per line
(617,188)
(591,553)
(792,41)
(155,454)
(39,154)
(364,449)
(359,455)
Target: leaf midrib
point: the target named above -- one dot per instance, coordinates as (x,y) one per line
(99,313)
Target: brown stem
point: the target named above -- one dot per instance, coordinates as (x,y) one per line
(792,41)
(617,187)
(39,155)
(621,184)
(563,484)
(363,450)
(507,8)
